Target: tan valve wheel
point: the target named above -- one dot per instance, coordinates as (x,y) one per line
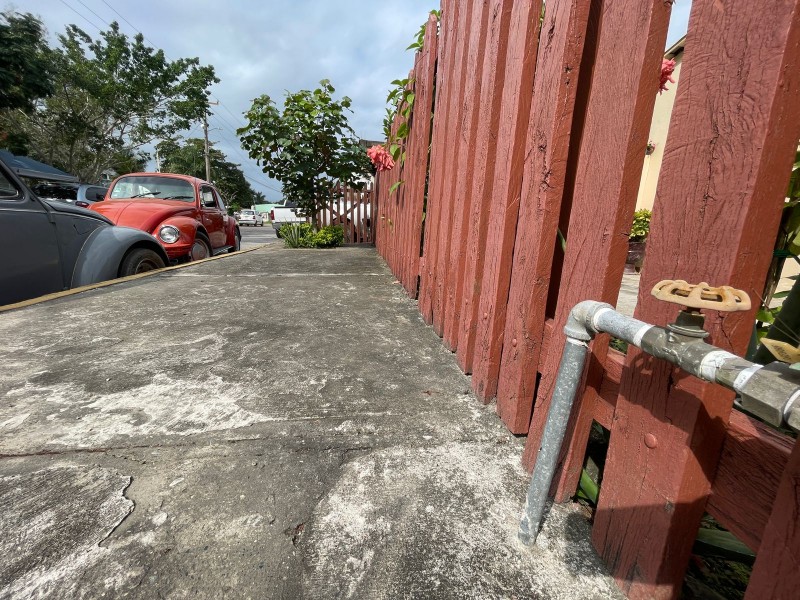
(723,298)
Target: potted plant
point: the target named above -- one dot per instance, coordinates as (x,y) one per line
(637,240)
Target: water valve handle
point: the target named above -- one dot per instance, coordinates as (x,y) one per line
(723,298)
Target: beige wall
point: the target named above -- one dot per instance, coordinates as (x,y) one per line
(658,134)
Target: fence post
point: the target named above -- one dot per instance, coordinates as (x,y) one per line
(479,194)
(776,573)
(624,88)
(464,33)
(732,141)
(466,140)
(452,13)
(519,252)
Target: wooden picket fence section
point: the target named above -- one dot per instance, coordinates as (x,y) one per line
(352,209)
(540,128)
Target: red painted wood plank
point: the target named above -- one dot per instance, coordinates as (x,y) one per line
(732,140)
(747,478)
(440,153)
(750,466)
(625,84)
(776,572)
(509,345)
(465,33)
(504,103)
(491,241)
(417,154)
(469,144)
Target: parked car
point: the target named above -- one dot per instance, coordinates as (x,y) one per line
(286,212)
(79,194)
(250,217)
(187,215)
(49,246)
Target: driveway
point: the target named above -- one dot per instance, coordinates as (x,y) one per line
(276,424)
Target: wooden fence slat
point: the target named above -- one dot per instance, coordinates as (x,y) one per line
(480,179)
(440,153)
(515,330)
(731,144)
(496,217)
(465,165)
(424,73)
(750,467)
(776,572)
(465,33)
(625,84)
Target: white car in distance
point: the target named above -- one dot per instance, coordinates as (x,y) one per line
(250,217)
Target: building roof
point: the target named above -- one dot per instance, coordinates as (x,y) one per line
(676,48)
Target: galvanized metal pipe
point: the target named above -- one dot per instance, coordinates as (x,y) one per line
(772,392)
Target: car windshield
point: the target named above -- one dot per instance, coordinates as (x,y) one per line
(247,212)
(148,187)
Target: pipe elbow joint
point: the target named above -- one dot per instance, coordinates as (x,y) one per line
(580,323)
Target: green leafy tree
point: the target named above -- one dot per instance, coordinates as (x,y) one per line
(307,147)
(187,159)
(113,96)
(26,67)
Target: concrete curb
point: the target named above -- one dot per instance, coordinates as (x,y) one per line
(102,284)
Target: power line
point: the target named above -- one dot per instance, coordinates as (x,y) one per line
(81,16)
(192,130)
(102,20)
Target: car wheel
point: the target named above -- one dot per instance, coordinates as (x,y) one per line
(201,248)
(278,233)
(140,260)
(237,242)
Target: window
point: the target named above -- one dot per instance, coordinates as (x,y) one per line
(152,186)
(7,189)
(208,197)
(221,202)
(94,194)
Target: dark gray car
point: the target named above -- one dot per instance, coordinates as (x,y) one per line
(51,246)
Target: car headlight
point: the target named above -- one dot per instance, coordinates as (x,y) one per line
(169,234)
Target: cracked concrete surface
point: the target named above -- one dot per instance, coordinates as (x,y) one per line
(280,424)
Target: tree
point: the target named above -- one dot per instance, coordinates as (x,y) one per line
(26,67)
(187,159)
(113,96)
(307,147)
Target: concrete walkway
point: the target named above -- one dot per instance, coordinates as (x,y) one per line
(278,424)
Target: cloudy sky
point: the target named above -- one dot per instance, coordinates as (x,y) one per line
(272,46)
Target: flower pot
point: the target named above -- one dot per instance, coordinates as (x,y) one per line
(635,259)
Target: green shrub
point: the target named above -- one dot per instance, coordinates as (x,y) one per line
(302,235)
(329,237)
(296,235)
(641,225)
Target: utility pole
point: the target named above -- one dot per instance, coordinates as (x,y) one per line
(206,152)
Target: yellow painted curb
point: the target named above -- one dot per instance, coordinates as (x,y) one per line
(102,284)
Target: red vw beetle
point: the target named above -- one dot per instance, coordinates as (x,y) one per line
(186,214)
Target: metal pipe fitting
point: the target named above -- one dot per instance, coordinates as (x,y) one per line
(772,392)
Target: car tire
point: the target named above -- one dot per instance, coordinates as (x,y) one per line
(140,260)
(278,233)
(201,248)
(237,242)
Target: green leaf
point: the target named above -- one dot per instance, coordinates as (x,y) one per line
(402,131)
(395,185)
(765,316)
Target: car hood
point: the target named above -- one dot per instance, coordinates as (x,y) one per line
(63,207)
(142,214)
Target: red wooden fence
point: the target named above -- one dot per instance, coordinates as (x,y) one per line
(541,127)
(352,209)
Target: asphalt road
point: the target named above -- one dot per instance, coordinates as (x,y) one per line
(255,236)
